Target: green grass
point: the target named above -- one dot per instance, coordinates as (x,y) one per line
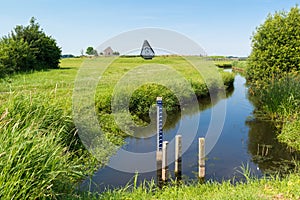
(279,101)
(41,154)
(223,63)
(290,134)
(266,188)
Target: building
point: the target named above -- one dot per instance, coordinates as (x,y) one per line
(108,51)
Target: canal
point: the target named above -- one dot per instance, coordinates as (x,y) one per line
(244,141)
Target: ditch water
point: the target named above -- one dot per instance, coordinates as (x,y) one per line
(243,141)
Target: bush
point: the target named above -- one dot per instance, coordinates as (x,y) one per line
(15,55)
(28,48)
(275,47)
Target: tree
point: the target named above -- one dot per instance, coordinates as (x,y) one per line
(28,48)
(275,47)
(46,51)
(15,55)
(91,51)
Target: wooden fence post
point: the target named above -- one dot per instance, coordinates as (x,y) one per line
(164,161)
(178,155)
(201,158)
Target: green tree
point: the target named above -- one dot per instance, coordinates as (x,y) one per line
(91,51)
(116,53)
(15,55)
(275,47)
(44,47)
(28,48)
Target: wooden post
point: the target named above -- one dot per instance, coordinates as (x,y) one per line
(159,168)
(178,154)
(164,161)
(201,158)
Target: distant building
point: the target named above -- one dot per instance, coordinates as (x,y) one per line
(147,51)
(108,51)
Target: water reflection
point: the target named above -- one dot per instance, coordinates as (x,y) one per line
(271,156)
(174,118)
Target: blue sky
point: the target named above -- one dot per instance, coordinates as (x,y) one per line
(220,27)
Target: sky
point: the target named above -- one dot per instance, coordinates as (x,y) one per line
(220,27)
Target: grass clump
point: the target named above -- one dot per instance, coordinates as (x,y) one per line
(41,156)
(38,156)
(281,98)
(279,101)
(290,134)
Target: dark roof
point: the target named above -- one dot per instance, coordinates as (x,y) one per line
(147,52)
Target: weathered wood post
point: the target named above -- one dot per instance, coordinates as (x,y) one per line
(165,161)
(159,154)
(178,159)
(201,158)
(159,168)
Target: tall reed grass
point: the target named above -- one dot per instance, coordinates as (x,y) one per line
(39,158)
(280,101)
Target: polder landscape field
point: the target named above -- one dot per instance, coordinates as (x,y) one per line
(43,157)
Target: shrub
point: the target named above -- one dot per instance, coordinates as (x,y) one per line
(28,48)
(15,55)
(275,47)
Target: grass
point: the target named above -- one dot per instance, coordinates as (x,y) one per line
(265,188)
(223,63)
(239,64)
(41,154)
(290,134)
(279,101)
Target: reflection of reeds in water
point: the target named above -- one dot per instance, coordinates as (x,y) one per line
(271,156)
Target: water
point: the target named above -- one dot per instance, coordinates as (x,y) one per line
(243,141)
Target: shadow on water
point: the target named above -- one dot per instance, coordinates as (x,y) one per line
(243,140)
(174,118)
(271,156)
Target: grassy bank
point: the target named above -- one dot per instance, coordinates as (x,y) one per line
(279,101)
(239,66)
(41,155)
(271,188)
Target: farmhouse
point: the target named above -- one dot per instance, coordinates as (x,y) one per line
(108,51)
